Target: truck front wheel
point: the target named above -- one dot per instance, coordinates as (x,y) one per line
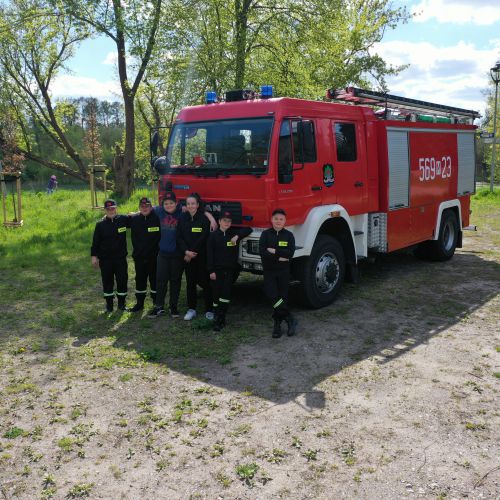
(322,273)
(444,247)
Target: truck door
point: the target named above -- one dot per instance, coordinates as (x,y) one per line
(346,178)
(299,174)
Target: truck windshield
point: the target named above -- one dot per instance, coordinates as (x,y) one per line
(220,147)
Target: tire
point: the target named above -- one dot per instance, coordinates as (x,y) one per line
(444,247)
(322,273)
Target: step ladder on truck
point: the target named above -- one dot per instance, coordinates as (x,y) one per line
(361,172)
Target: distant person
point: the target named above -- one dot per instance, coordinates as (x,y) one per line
(109,253)
(52,184)
(145,232)
(222,265)
(276,248)
(192,237)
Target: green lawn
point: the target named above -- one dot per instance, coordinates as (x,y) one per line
(50,295)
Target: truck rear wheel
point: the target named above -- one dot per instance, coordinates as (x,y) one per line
(444,247)
(322,273)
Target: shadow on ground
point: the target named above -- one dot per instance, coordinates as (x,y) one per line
(399,304)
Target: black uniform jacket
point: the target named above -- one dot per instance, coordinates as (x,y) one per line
(284,244)
(193,232)
(222,253)
(110,238)
(145,235)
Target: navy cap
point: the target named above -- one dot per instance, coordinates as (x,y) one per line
(169,195)
(279,211)
(145,201)
(110,204)
(225,215)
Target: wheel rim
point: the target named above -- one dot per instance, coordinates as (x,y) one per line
(449,236)
(327,272)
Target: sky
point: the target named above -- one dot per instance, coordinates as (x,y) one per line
(449,45)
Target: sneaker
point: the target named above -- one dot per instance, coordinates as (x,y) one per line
(174,313)
(191,313)
(155,312)
(209,315)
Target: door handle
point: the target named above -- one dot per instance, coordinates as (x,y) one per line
(358,184)
(316,188)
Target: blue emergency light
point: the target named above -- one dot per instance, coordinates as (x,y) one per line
(266,91)
(210,97)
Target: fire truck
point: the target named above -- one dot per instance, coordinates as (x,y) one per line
(358,173)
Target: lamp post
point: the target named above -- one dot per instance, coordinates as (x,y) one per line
(495,76)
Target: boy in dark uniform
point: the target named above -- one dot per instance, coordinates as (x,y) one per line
(222,265)
(276,248)
(109,253)
(145,229)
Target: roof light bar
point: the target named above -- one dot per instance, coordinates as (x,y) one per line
(210,97)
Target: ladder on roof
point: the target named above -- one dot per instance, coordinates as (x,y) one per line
(389,101)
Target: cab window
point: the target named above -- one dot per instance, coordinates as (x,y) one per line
(292,147)
(345,139)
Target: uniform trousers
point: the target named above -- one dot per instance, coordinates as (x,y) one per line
(221,288)
(276,284)
(145,269)
(197,274)
(169,270)
(111,270)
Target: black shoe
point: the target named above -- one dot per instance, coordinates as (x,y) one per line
(277,329)
(217,326)
(155,312)
(138,307)
(121,303)
(292,325)
(174,313)
(109,304)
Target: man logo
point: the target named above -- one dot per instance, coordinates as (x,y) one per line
(213,207)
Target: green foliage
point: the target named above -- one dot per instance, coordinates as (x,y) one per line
(247,471)
(13,433)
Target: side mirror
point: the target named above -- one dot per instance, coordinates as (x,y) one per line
(285,178)
(154,143)
(161,165)
(285,172)
(305,134)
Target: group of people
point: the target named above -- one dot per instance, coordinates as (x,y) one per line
(169,240)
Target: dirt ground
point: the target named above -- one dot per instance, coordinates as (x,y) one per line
(391,392)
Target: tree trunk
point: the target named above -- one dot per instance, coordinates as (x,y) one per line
(241,11)
(124,170)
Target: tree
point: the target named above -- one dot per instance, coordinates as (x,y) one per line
(92,143)
(35,43)
(132,26)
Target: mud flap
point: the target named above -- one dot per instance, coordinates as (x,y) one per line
(352,273)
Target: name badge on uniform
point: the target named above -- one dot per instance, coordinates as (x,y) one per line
(196,229)
(122,229)
(282,243)
(154,229)
(230,244)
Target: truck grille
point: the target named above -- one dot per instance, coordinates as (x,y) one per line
(233,207)
(252,247)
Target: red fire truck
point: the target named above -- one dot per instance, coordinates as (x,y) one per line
(353,180)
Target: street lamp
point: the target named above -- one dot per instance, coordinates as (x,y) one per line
(495,76)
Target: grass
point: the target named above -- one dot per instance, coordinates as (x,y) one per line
(50,257)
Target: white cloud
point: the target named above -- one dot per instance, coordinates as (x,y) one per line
(454,75)
(77,86)
(458,11)
(110,59)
